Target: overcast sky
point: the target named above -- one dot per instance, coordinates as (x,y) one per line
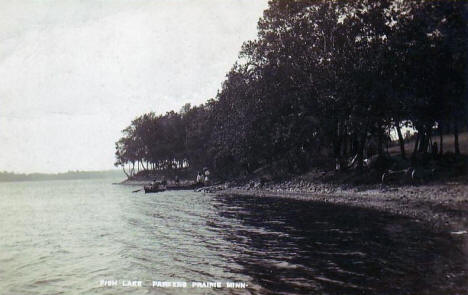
(74,73)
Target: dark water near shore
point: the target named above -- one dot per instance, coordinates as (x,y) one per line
(64,237)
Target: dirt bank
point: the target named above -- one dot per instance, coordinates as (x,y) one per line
(442,206)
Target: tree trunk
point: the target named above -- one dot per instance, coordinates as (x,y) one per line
(455,134)
(429,140)
(416,143)
(441,139)
(345,146)
(400,140)
(360,154)
(337,142)
(144,168)
(424,140)
(125,172)
(380,143)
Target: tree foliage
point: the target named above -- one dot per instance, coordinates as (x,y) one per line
(324,80)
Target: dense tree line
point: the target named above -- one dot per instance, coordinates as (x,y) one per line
(170,141)
(324,80)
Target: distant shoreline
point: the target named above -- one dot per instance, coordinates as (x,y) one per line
(14,177)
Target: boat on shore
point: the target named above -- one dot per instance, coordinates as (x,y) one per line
(150,189)
(172,187)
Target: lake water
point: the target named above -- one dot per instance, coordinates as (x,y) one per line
(77,237)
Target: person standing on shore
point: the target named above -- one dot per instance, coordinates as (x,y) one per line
(154,184)
(207,173)
(199,178)
(163,182)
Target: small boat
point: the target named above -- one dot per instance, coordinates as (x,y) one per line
(158,189)
(150,189)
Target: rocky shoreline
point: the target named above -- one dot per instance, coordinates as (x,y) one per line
(442,206)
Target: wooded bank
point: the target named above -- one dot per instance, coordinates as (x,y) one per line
(325,81)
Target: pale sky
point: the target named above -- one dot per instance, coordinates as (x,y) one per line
(74,73)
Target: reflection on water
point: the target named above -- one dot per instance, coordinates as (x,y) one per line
(63,237)
(308,248)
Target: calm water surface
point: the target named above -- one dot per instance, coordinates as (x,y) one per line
(64,237)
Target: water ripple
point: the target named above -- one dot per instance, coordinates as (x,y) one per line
(67,239)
